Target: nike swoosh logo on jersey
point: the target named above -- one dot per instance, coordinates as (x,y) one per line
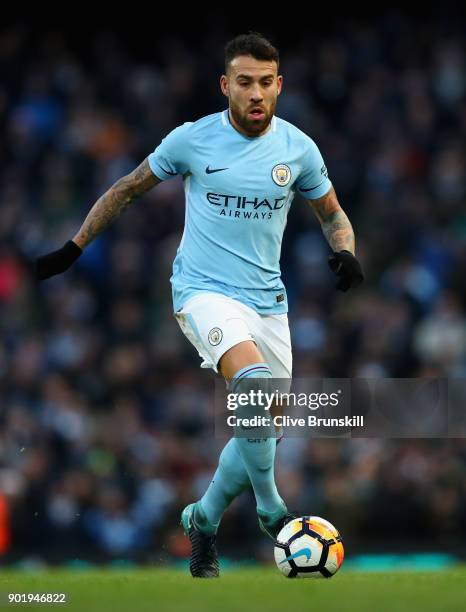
(210,170)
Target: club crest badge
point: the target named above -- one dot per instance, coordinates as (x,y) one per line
(281,174)
(215,336)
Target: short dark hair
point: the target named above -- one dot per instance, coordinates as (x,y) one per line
(254,44)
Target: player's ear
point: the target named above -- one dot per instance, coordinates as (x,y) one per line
(224,84)
(279,83)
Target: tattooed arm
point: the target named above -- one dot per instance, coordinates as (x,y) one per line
(104,211)
(114,201)
(335,224)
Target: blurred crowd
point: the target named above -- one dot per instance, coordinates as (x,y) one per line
(105,416)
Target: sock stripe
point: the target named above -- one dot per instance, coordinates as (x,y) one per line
(257,367)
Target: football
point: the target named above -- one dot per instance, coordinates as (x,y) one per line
(309,547)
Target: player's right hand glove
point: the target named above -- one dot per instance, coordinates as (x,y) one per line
(347,268)
(57,261)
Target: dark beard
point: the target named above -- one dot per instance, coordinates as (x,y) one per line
(252,126)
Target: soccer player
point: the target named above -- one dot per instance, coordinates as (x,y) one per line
(241,169)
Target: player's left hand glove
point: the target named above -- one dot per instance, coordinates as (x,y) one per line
(347,268)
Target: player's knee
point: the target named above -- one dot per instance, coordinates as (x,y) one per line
(244,352)
(252,388)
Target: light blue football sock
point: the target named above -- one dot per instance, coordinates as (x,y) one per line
(230,479)
(258,448)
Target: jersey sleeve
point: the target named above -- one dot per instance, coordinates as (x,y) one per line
(313,181)
(171,157)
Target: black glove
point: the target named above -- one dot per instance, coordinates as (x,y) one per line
(347,268)
(57,261)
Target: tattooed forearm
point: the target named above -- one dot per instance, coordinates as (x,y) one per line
(338,231)
(114,201)
(336,226)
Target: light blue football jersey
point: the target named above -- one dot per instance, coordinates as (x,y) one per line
(238,194)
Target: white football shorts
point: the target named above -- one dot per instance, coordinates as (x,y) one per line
(214,323)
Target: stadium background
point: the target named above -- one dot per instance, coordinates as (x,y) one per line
(105,416)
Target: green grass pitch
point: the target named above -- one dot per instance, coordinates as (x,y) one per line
(261,589)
